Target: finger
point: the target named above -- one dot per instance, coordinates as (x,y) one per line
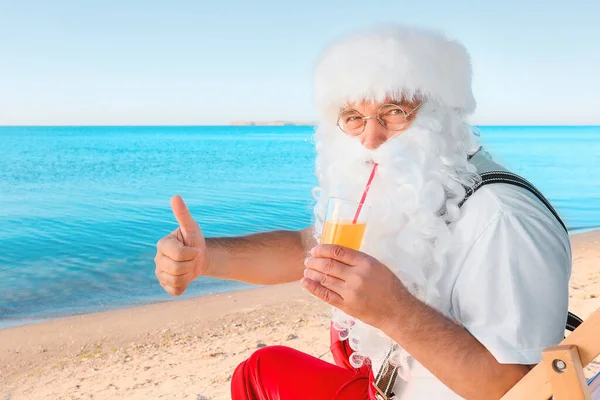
(175,268)
(176,250)
(173,291)
(175,281)
(188,224)
(334,284)
(321,292)
(342,254)
(328,266)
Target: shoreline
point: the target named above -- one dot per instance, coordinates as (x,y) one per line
(17,323)
(190,347)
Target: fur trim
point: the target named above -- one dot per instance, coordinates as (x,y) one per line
(396,61)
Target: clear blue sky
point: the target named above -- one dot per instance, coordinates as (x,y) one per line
(210,62)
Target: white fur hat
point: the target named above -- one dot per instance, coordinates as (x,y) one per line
(393,61)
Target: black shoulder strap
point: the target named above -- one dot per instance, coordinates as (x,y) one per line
(573,321)
(513,179)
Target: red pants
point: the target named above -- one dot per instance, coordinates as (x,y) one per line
(282,373)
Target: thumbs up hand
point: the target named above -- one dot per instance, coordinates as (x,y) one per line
(181,256)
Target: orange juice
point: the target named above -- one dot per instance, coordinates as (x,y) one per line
(343,233)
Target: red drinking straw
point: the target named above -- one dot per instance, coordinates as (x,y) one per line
(364,196)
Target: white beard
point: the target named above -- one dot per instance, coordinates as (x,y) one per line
(416,191)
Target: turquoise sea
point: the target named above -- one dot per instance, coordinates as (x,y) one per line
(81,208)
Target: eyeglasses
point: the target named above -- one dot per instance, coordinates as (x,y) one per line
(390,116)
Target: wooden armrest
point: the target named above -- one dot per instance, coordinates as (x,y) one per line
(536,384)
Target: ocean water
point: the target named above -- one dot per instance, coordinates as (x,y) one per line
(81,208)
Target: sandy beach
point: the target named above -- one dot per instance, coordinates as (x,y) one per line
(189,348)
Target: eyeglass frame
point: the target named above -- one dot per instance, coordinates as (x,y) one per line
(365,118)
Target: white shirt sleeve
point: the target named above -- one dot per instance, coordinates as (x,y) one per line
(512,290)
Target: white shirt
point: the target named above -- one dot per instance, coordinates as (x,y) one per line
(506,282)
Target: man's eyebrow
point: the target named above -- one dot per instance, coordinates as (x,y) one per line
(405,102)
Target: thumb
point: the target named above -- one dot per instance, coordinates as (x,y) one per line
(192,235)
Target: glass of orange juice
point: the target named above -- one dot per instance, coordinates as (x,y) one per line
(339,226)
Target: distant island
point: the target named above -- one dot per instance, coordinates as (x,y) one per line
(270,123)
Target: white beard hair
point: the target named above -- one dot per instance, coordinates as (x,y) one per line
(416,192)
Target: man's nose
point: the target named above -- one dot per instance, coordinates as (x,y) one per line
(374,134)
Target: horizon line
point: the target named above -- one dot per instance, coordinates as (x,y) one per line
(259,125)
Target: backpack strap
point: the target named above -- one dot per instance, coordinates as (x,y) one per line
(490,177)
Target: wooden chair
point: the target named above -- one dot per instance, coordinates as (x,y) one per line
(560,373)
